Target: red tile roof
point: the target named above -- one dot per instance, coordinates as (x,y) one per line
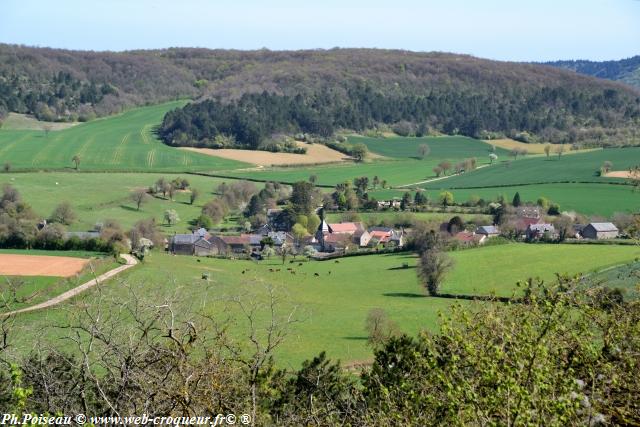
(346,227)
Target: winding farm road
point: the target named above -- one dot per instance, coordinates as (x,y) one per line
(131,261)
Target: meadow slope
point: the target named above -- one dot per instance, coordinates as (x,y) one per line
(125,142)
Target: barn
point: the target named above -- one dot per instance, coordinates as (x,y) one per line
(600,231)
(183,244)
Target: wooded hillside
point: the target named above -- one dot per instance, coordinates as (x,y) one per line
(338,88)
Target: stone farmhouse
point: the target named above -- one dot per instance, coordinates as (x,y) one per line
(202,243)
(538,231)
(346,235)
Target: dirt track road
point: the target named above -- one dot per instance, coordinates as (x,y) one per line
(131,261)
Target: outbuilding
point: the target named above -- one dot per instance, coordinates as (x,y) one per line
(600,231)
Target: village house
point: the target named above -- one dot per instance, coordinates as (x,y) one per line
(341,236)
(488,230)
(345,235)
(199,243)
(469,238)
(386,237)
(600,231)
(538,231)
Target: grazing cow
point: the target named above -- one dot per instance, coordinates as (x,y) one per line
(337,261)
(316,274)
(293,272)
(242,271)
(198,260)
(271,270)
(299,264)
(329,272)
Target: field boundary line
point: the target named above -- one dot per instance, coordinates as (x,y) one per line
(131,262)
(533,183)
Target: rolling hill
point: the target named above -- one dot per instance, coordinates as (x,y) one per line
(325,89)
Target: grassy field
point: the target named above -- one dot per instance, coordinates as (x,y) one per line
(496,269)
(589,199)
(581,167)
(119,143)
(332,308)
(441,147)
(594,199)
(405,169)
(100,196)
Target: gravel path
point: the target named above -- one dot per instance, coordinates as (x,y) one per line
(131,261)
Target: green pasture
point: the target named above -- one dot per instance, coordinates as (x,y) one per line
(594,199)
(96,197)
(497,269)
(331,308)
(441,147)
(402,167)
(395,172)
(579,167)
(590,199)
(124,142)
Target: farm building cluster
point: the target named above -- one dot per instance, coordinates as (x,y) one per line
(329,238)
(529,225)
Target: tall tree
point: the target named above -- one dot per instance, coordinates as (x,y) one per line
(516,200)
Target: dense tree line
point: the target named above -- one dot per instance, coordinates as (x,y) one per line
(320,91)
(557,113)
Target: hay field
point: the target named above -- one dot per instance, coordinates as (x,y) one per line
(316,154)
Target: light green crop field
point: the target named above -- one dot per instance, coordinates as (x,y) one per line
(441,147)
(332,308)
(96,197)
(582,167)
(497,269)
(119,143)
